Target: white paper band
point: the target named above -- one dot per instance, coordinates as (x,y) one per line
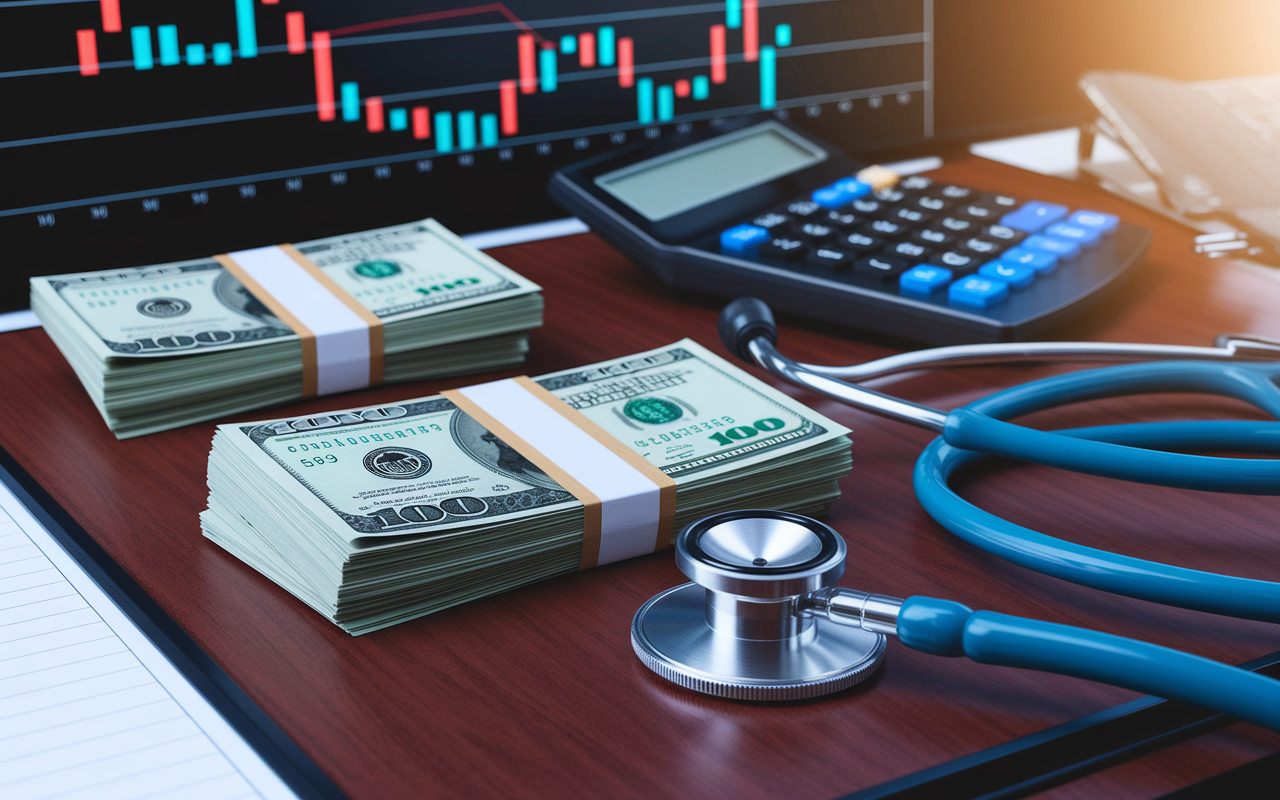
(342,337)
(630,501)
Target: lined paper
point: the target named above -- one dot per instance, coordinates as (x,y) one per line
(90,709)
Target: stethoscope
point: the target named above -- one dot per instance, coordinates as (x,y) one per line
(763,619)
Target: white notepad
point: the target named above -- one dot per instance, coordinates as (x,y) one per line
(89,708)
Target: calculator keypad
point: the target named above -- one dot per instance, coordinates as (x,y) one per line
(947,243)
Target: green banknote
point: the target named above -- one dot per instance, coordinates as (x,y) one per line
(422,466)
(196,306)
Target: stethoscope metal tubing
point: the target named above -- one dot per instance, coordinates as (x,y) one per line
(1228,347)
(833,382)
(972,429)
(767,356)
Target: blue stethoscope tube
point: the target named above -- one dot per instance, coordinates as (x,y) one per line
(946,628)
(1112,572)
(937,626)
(979,427)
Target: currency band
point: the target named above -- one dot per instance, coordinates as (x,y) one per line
(341,339)
(629,504)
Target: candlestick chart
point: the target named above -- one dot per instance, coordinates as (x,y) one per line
(273,119)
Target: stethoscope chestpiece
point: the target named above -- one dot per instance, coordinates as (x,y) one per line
(760,554)
(740,630)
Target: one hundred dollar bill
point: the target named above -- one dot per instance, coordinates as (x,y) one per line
(197,306)
(424,466)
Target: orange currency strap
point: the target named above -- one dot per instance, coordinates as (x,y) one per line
(342,341)
(629,504)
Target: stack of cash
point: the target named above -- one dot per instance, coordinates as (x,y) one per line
(164,346)
(374,516)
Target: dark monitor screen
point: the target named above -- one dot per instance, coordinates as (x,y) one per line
(141,131)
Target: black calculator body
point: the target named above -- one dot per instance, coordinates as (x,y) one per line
(760,208)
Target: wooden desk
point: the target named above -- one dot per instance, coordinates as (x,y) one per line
(537,692)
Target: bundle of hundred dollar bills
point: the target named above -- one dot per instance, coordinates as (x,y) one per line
(374,516)
(164,346)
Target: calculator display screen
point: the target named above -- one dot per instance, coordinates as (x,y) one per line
(672,183)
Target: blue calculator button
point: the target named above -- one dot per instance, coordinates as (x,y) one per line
(924,279)
(1034,216)
(1085,237)
(1105,224)
(1015,275)
(841,193)
(1064,249)
(832,197)
(743,240)
(1042,261)
(978,292)
(856,188)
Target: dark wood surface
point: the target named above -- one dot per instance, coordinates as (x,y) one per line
(537,692)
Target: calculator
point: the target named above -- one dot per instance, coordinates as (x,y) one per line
(761,208)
